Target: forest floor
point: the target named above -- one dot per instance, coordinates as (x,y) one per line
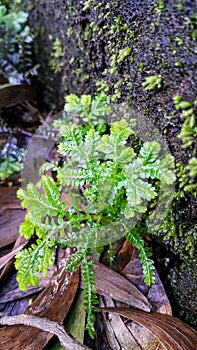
(59,296)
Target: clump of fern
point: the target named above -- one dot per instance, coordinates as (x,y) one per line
(110,187)
(15,44)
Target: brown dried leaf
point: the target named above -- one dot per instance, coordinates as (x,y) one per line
(5,259)
(170,331)
(118,335)
(8,199)
(111,283)
(53,303)
(9,266)
(155,294)
(10,220)
(14,94)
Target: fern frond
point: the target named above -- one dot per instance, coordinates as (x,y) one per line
(114,145)
(90,146)
(48,166)
(52,192)
(147,264)
(165,170)
(27,228)
(137,190)
(73,105)
(115,150)
(74,262)
(100,106)
(90,296)
(81,151)
(30,261)
(120,131)
(32,198)
(149,152)
(72,177)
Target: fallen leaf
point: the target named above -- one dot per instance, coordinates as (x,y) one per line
(10,220)
(170,331)
(5,259)
(10,265)
(111,283)
(14,94)
(8,199)
(118,335)
(53,303)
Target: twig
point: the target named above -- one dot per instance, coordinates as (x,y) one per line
(45,325)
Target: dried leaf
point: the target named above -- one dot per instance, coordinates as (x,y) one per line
(14,94)
(8,199)
(118,335)
(110,283)
(10,220)
(45,325)
(5,259)
(53,303)
(170,331)
(9,266)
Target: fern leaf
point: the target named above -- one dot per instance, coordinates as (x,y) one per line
(149,152)
(115,150)
(114,145)
(165,174)
(90,146)
(72,105)
(52,191)
(137,189)
(48,166)
(147,264)
(74,262)
(120,131)
(72,177)
(8,167)
(90,297)
(30,261)
(100,106)
(32,198)
(27,228)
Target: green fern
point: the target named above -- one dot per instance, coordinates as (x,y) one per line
(16,45)
(38,204)
(35,259)
(144,254)
(90,297)
(84,257)
(86,108)
(115,183)
(113,145)
(9,166)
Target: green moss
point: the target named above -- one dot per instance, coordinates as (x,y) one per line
(56,63)
(31,6)
(153,82)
